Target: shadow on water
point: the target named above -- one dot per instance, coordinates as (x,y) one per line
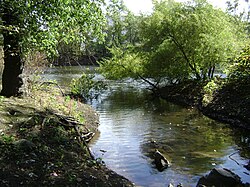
(133,126)
(192,142)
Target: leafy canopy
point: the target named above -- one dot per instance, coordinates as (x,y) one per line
(240,69)
(179,41)
(43,24)
(86,87)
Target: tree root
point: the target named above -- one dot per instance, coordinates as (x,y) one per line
(69,122)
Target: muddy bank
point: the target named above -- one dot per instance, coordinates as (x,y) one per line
(43,139)
(229,103)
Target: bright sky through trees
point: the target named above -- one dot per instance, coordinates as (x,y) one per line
(138,6)
(145,6)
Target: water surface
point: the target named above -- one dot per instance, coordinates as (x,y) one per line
(132,125)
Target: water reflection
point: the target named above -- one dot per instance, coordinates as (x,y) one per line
(133,125)
(189,139)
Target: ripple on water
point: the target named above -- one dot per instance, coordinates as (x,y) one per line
(129,120)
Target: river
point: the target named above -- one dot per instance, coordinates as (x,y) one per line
(132,124)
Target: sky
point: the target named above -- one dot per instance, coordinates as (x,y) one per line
(145,6)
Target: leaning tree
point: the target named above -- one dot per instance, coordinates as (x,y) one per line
(178,41)
(41,25)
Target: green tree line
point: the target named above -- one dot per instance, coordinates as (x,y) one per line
(28,25)
(180,41)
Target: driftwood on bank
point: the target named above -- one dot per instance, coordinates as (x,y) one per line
(68,123)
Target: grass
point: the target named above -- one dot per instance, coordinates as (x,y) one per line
(39,143)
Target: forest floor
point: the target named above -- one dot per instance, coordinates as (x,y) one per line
(224,101)
(43,139)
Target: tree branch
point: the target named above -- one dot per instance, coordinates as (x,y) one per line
(179,46)
(141,77)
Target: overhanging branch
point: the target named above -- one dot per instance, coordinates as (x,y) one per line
(179,46)
(141,77)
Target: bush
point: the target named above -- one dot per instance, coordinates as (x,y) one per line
(209,91)
(240,69)
(86,87)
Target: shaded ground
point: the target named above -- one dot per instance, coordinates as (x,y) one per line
(43,142)
(228,103)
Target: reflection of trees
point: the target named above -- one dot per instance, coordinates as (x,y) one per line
(191,141)
(129,98)
(187,138)
(160,106)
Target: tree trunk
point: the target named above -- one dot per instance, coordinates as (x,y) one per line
(13,64)
(212,73)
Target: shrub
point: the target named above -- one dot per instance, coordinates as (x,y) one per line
(240,69)
(210,89)
(86,87)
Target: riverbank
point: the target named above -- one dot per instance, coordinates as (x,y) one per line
(224,101)
(43,138)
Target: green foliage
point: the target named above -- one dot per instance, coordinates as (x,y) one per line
(195,37)
(7,138)
(2,98)
(42,25)
(210,89)
(123,64)
(86,87)
(121,29)
(121,25)
(240,69)
(115,23)
(177,42)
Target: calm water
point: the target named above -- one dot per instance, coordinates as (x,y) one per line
(130,121)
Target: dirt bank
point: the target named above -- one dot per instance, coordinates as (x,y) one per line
(43,139)
(228,103)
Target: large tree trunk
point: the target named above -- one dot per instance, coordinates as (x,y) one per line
(13,64)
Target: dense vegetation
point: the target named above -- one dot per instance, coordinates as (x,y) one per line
(178,42)
(29,26)
(183,50)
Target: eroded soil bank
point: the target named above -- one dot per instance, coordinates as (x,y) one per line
(229,103)
(43,139)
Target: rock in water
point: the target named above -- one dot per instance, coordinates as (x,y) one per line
(160,161)
(220,177)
